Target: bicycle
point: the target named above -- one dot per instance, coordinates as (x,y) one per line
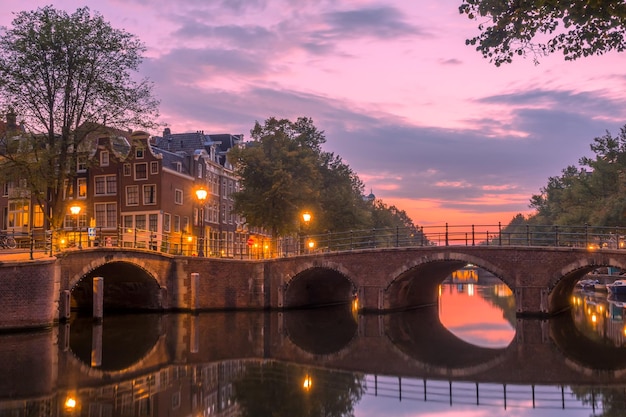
(7,242)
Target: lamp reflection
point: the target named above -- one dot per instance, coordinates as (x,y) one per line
(307,383)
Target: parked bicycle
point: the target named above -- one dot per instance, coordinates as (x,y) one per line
(7,242)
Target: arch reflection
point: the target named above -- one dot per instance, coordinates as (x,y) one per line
(321,331)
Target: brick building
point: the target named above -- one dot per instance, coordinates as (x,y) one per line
(134,190)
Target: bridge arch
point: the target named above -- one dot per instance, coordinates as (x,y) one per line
(416,282)
(317,285)
(127,286)
(562,283)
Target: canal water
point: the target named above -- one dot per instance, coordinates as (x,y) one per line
(325,362)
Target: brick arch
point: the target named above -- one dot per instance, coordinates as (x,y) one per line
(94,264)
(562,283)
(127,286)
(401,291)
(310,286)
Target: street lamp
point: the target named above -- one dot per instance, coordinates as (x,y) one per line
(306,218)
(201,194)
(75,210)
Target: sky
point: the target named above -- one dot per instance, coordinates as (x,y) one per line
(426,122)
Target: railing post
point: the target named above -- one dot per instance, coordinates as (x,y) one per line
(32,243)
(556,235)
(446,233)
(422,235)
(586,235)
(527,235)
(397,236)
(499,234)
(473,237)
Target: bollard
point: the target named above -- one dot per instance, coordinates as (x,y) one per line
(193,296)
(96,345)
(98,298)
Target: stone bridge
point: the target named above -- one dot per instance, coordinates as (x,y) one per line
(38,293)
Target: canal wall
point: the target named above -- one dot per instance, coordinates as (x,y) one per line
(28,294)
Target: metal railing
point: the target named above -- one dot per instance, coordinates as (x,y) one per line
(239,247)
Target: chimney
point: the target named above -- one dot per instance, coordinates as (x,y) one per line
(11,120)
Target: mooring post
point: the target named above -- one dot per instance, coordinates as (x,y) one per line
(98,298)
(193,293)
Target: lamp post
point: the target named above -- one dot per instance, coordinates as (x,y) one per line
(75,210)
(306,218)
(201,194)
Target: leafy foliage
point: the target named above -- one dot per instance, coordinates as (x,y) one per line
(593,194)
(66,76)
(576,28)
(284,172)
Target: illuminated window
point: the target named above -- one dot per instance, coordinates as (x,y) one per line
(82,187)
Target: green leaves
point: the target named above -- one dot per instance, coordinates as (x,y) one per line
(541,27)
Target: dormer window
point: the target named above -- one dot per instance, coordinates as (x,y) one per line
(139,153)
(104,158)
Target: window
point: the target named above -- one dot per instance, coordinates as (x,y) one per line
(132,195)
(38,216)
(154,167)
(176,223)
(128,222)
(186,224)
(106,215)
(105,185)
(178,196)
(141,171)
(68,189)
(149,194)
(81,163)
(5,188)
(18,213)
(153,222)
(199,170)
(166,222)
(140,221)
(139,153)
(127,170)
(82,187)
(104,158)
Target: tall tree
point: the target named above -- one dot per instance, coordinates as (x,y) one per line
(594,193)
(65,76)
(279,173)
(577,28)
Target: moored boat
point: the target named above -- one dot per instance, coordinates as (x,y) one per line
(617,288)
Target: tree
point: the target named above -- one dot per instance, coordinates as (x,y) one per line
(594,193)
(279,174)
(66,76)
(576,28)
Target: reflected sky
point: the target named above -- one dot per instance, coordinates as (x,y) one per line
(465,311)
(481,320)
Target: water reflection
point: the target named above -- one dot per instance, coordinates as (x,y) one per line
(323,362)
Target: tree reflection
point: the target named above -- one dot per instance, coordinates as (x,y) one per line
(278,389)
(610,401)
